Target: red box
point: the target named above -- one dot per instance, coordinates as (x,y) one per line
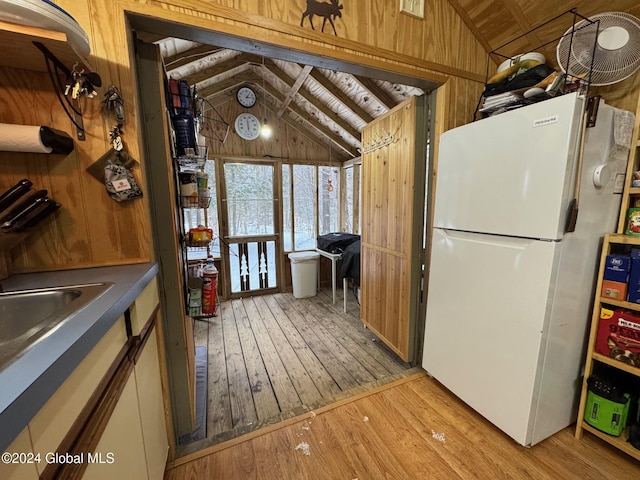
(619,335)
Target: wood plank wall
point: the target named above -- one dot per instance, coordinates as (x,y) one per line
(90,229)
(287,141)
(93,229)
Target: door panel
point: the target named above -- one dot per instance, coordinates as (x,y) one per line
(249,193)
(509,157)
(488,306)
(393,184)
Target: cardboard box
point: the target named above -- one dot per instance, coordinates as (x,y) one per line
(616,268)
(633,290)
(615,290)
(619,335)
(633,221)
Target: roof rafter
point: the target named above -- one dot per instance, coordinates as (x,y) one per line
(316,103)
(341,96)
(333,137)
(376,92)
(294,88)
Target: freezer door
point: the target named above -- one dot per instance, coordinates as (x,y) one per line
(511,174)
(487,311)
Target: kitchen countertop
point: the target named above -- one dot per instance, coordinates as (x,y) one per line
(27,383)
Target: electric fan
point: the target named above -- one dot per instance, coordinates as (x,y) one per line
(602,50)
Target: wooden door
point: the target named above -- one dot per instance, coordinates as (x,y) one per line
(393,185)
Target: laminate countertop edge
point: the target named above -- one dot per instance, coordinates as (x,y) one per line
(27,383)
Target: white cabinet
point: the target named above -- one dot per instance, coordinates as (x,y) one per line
(109,414)
(52,423)
(121,446)
(151,405)
(20,470)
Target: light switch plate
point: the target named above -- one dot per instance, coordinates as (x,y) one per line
(415,8)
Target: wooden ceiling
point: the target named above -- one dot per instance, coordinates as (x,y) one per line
(333,106)
(496,22)
(328,106)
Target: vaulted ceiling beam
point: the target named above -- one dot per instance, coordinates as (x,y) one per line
(191,55)
(376,92)
(341,96)
(523,23)
(218,69)
(306,118)
(355,134)
(302,76)
(223,86)
(462,13)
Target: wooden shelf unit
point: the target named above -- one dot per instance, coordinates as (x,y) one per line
(18,50)
(592,356)
(629,196)
(631,193)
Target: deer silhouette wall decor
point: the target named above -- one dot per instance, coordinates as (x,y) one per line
(322,9)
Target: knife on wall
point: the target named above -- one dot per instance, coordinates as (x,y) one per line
(21,205)
(14,193)
(49,206)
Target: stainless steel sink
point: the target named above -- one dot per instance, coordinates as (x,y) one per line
(28,316)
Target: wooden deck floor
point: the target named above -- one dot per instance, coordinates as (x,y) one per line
(274,357)
(411,429)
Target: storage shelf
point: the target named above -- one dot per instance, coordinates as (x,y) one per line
(616,364)
(18,50)
(620,303)
(634,191)
(199,201)
(618,442)
(622,239)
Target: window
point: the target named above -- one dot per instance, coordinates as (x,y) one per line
(287,218)
(352,198)
(310,205)
(347,222)
(328,209)
(304,207)
(249,199)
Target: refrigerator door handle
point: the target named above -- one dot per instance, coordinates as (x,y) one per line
(486,239)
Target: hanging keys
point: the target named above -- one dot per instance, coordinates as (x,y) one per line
(80,83)
(116,139)
(113,102)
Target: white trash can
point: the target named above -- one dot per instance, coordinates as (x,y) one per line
(304,273)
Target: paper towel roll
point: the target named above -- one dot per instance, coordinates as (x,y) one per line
(21,138)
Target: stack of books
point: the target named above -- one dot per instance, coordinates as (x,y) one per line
(496,102)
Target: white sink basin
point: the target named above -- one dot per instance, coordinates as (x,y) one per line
(28,316)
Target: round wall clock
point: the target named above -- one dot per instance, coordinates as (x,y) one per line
(247,126)
(246,97)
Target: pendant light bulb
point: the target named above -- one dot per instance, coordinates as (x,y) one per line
(265,130)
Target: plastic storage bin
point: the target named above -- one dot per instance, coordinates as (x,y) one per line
(304,273)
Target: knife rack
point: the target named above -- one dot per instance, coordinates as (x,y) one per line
(10,238)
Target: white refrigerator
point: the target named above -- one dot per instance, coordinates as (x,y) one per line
(509,292)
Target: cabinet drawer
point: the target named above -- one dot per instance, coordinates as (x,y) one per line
(53,421)
(144,306)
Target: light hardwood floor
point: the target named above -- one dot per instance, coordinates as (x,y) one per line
(411,429)
(274,357)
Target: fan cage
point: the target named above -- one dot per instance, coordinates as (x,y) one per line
(579,54)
